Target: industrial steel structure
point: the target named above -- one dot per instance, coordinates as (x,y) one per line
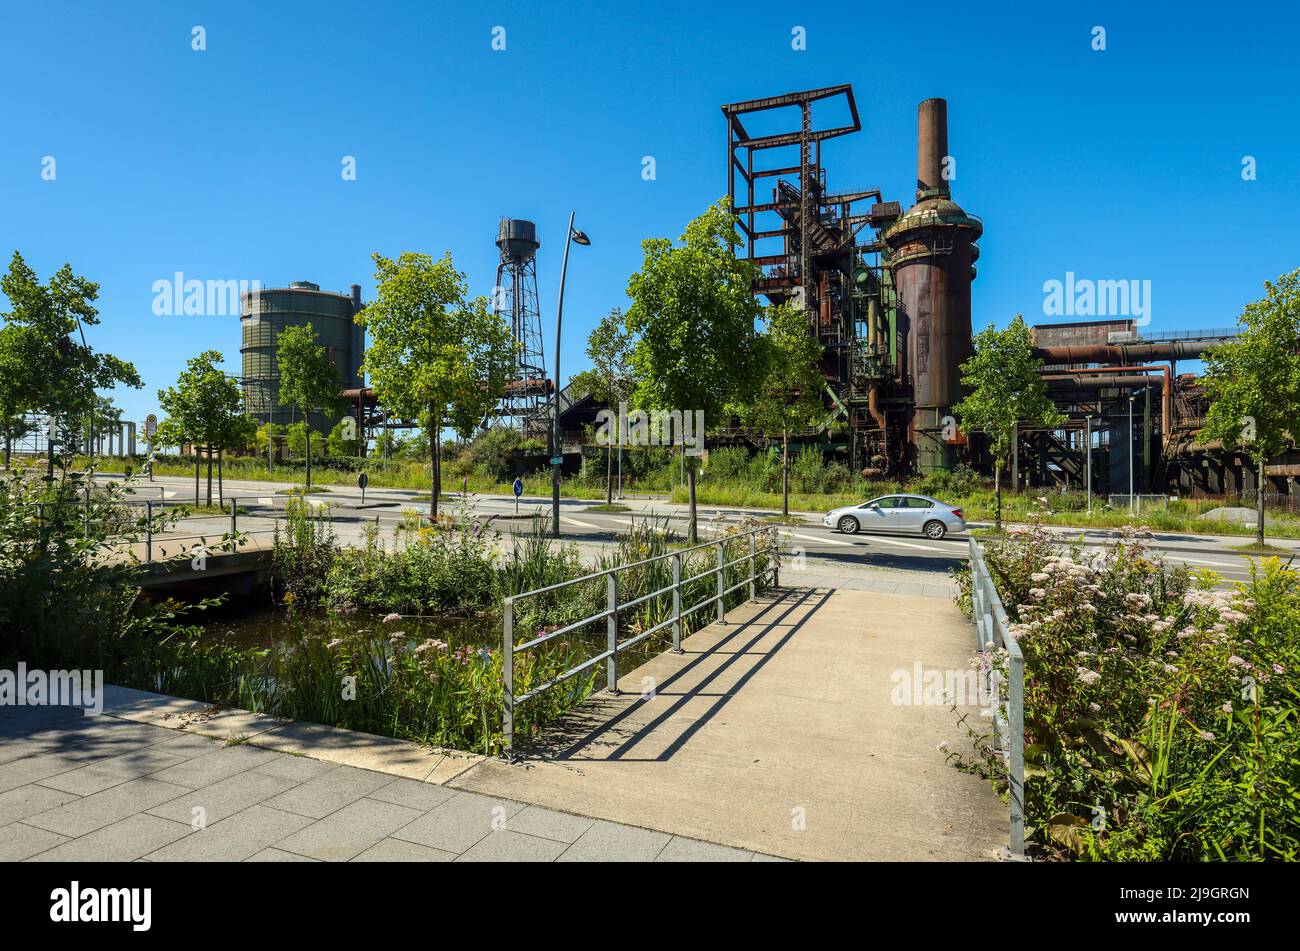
(515,301)
(887,294)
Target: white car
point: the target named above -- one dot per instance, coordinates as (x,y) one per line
(902,513)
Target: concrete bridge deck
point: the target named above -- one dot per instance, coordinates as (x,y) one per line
(778,733)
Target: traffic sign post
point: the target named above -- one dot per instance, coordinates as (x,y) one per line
(519,490)
(363,480)
(150,429)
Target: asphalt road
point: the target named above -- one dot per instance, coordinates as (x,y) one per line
(579,523)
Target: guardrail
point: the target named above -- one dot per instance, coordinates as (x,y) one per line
(993,628)
(613,607)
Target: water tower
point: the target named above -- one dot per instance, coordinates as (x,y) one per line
(515,299)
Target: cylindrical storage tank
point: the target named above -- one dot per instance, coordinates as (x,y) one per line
(266,313)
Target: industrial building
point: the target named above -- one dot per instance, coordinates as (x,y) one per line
(887,293)
(266,313)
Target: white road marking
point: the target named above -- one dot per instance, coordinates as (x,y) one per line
(574,521)
(891,541)
(827,541)
(1203,561)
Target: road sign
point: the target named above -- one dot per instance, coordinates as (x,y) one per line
(518,487)
(557,460)
(150,425)
(363,480)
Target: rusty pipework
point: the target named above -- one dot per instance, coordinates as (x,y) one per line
(1125,353)
(1131,378)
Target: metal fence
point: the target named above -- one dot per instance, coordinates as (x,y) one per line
(614,607)
(993,628)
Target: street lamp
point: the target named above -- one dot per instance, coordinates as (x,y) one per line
(557,454)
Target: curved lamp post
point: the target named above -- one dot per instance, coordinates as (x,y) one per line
(557,452)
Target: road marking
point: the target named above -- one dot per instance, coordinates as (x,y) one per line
(573,521)
(828,541)
(890,541)
(1202,561)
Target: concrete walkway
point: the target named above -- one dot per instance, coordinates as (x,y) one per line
(782,733)
(113,788)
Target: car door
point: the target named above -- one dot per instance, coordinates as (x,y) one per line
(879,515)
(913,514)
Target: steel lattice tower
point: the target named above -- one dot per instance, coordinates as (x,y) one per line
(515,299)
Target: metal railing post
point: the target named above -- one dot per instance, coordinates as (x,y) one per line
(611,634)
(677,602)
(753,568)
(148,529)
(722,582)
(1016,716)
(508,680)
(234,526)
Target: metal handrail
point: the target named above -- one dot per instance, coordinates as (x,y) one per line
(993,630)
(613,607)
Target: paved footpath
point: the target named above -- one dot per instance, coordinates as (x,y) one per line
(113,788)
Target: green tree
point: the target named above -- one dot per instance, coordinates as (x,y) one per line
(789,398)
(309,382)
(342,440)
(435,355)
(65,370)
(1253,383)
(17,382)
(204,409)
(1004,389)
(609,347)
(693,313)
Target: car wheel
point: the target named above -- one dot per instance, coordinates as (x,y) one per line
(935,529)
(848,525)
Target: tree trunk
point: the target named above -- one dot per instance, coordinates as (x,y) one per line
(196,476)
(785,473)
(609,474)
(997,491)
(208,452)
(309,455)
(1259,504)
(221,480)
(435,462)
(690,476)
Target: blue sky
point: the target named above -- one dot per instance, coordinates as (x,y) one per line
(225,164)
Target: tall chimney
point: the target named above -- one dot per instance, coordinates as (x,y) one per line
(931,149)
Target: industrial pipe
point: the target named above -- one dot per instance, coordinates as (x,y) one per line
(1126,352)
(1131,379)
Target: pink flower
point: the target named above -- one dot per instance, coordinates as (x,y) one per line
(390,618)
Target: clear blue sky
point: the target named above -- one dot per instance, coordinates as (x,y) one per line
(225,164)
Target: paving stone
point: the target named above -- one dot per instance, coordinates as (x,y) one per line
(213,767)
(298,768)
(350,831)
(113,771)
(275,855)
(224,799)
(103,808)
(330,792)
(549,824)
(459,822)
(399,850)
(190,744)
(611,842)
(680,849)
(123,841)
(413,794)
(30,800)
(19,841)
(760,857)
(232,840)
(506,846)
(31,769)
